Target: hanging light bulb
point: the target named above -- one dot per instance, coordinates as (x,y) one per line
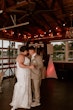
(35,36)
(11,33)
(49,34)
(64,24)
(41,35)
(49,30)
(25,36)
(56,28)
(44,32)
(1,11)
(19,34)
(4,30)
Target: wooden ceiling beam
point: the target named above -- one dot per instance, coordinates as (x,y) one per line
(60,2)
(51,11)
(45,3)
(42,23)
(40,3)
(50,21)
(35,23)
(52,4)
(2,5)
(16,11)
(17,25)
(46,22)
(61,11)
(22,4)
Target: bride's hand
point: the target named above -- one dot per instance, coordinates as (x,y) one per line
(31,67)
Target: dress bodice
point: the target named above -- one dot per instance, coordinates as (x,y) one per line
(26,62)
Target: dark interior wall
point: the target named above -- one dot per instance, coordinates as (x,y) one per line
(64,70)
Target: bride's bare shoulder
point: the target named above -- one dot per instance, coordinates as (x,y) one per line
(19,57)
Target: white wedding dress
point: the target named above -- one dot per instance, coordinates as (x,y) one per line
(22,90)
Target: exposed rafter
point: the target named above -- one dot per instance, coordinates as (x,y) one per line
(42,15)
(18,25)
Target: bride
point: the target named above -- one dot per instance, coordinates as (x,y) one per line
(22,90)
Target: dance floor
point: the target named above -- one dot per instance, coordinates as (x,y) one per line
(55,95)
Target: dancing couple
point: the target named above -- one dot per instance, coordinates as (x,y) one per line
(28,73)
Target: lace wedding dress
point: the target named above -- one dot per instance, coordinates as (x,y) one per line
(22,90)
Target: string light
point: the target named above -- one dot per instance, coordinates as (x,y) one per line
(58,34)
(41,35)
(49,34)
(56,28)
(49,30)
(64,24)
(19,34)
(25,36)
(4,30)
(1,11)
(35,36)
(44,32)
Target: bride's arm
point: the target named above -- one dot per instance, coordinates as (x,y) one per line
(20,59)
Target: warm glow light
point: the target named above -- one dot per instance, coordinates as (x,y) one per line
(56,28)
(29,36)
(58,34)
(44,32)
(25,36)
(4,30)
(41,35)
(49,30)
(64,24)
(35,36)
(19,34)
(1,11)
(12,32)
(49,34)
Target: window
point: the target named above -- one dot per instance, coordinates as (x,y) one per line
(5,44)
(8,53)
(0,43)
(63,51)
(58,51)
(17,44)
(70,50)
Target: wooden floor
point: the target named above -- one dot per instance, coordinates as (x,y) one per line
(55,95)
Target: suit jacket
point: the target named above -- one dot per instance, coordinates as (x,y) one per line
(38,66)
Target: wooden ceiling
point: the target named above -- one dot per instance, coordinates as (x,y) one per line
(42,15)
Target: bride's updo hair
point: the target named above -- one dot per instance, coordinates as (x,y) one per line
(23,48)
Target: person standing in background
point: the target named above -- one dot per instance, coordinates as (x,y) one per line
(36,73)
